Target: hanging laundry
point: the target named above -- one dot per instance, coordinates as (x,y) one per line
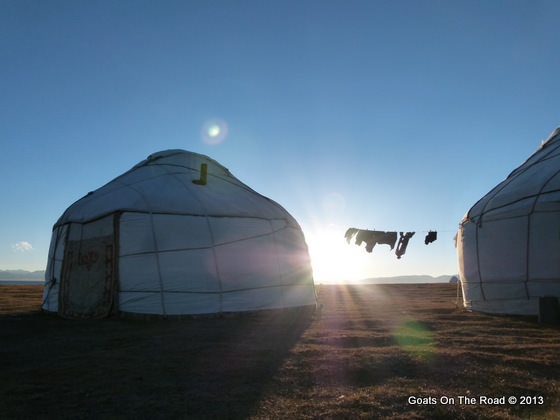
(349,233)
(371,237)
(363,236)
(430,237)
(403,243)
(387,238)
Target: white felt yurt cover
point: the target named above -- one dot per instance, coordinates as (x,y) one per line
(157,240)
(508,243)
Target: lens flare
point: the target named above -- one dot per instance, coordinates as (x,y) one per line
(416,339)
(214,131)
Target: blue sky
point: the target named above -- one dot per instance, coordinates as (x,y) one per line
(388,115)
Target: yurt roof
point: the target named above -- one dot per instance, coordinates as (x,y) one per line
(533,186)
(163,183)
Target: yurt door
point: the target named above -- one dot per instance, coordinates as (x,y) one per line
(88,281)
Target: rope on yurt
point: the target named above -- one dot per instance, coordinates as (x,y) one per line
(528,236)
(278,266)
(156,248)
(158,265)
(210,232)
(457,299)
(476,229)
(52,279)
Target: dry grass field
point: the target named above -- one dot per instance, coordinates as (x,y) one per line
(371,351)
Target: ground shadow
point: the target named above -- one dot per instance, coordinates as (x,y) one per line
(157,368)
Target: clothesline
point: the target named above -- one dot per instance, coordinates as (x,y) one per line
(418,230)
(373,237)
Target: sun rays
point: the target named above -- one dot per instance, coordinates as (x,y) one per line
(332,259)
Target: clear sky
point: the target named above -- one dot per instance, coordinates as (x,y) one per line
(388,115)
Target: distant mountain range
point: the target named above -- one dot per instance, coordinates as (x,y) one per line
(409,279)
(22,275)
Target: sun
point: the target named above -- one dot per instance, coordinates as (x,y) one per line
(214,131)
(332,259)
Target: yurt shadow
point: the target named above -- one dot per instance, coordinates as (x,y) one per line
(140,368)
(239,363)
(215,368)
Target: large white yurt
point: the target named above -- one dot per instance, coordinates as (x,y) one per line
(176,234)
(508,243)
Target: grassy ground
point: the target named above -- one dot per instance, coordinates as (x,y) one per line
(363,355)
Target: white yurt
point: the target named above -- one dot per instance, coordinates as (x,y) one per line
(508,243)
(176,234)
